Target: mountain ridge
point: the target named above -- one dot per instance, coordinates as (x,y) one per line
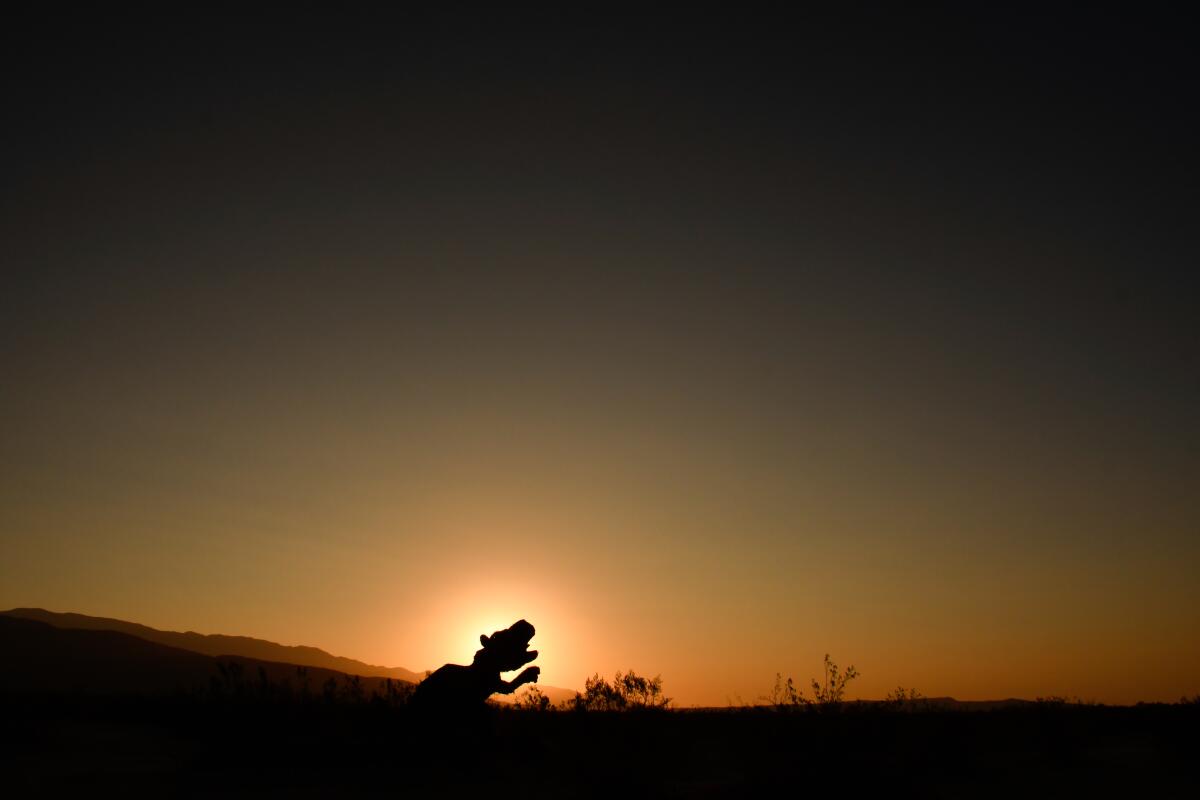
(219,644)
(46,658)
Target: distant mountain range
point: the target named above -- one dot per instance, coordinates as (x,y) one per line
(216,644)
(42,658)
(76,652)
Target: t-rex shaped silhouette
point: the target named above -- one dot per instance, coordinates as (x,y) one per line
(456,686)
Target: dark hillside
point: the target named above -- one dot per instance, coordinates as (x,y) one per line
(219,644)
(40,658)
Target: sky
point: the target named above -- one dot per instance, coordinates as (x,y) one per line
(709,345)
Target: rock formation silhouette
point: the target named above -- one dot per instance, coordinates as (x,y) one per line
(454,686)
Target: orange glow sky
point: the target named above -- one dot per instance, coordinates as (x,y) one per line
(704,368)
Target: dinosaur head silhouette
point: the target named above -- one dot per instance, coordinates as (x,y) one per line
(508,649)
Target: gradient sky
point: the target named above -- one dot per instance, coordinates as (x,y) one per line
(708,347)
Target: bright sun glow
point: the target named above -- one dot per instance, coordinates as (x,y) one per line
(487,606)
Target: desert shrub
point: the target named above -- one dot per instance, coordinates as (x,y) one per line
(901,699)
(831,693)
(352,689)
(641,692)
(533,699)
(229,681)
(628,691)
(827,695)
(396,693)
(598,695)
(785,696)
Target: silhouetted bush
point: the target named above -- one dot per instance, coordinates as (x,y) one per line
(785,696)
(396,693)
(831,693)
(533,699)
(230,684)
(628,691)
(901,699)
(827,695)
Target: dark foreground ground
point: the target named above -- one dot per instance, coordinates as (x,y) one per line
(187,747)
